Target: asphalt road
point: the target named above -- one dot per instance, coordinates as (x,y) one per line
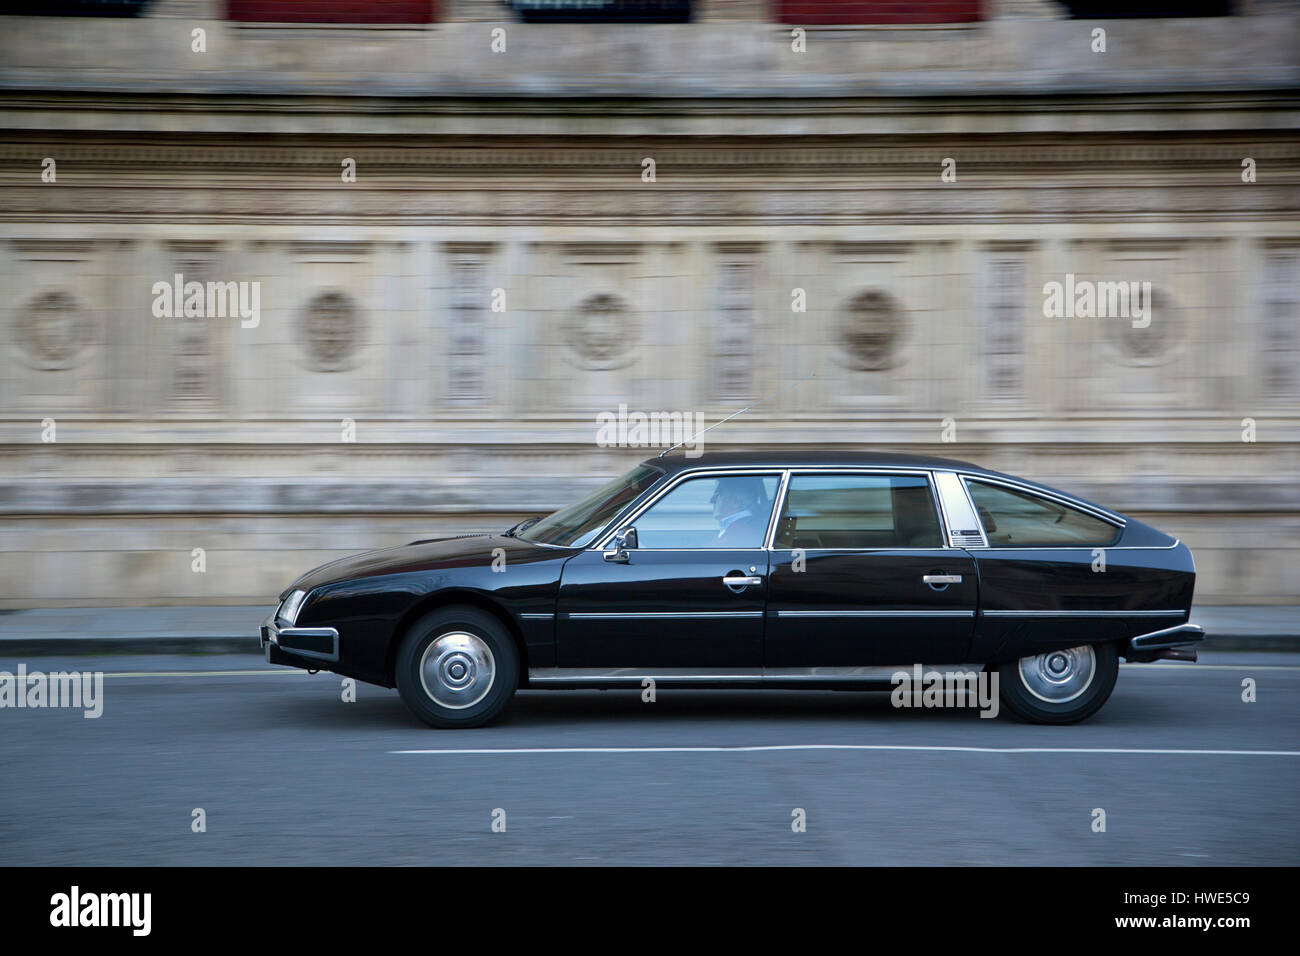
(289,773)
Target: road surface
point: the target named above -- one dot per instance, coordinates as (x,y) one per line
(287,772)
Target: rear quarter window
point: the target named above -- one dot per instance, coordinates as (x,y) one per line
(1018,519)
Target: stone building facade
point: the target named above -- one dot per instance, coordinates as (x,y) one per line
(435,337)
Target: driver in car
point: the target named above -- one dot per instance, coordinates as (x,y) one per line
(739,507)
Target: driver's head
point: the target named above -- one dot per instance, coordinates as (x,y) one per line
(732,495)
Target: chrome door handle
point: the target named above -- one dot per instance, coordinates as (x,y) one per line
(741,580)
(941,578)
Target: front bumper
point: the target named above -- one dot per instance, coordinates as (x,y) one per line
(309,643)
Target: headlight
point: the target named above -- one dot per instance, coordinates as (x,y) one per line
(290,607)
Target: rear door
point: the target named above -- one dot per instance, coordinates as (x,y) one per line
(861,575)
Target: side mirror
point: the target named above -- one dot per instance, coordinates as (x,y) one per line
(624,540)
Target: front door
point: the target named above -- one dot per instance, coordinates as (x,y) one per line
(690,594)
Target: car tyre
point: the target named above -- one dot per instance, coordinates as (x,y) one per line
(1059,686)
(457,667)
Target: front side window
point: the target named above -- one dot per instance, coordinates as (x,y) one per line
(859,511)
(1017,519)
(729,511)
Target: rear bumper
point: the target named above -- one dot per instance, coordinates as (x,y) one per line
(1171,643)
(307,643)
(1179,636)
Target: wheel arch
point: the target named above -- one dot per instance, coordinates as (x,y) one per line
(454,597)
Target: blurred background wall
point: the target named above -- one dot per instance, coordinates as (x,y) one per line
(437,335)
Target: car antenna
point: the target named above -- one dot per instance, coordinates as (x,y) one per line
(735,414)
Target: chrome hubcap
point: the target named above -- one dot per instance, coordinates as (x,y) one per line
(1058,677)
(457,670)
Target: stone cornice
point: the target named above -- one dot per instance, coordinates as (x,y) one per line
(138,158)
(1039,112)
(734,204)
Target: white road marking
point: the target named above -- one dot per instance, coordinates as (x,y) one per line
(916,747)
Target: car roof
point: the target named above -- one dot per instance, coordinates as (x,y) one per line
(678,460)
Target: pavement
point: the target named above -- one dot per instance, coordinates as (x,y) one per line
(223,760)
(233,629)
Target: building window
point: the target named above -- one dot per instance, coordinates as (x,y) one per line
(1280,332)
(1003,345)
(192,355)
(466,337)
(733,352)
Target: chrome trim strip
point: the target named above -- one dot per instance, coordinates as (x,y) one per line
(937,503)
(1096,510)
(849,673)
(1021,547)
(538,616)
(937,547)
(778,505)
(945,528)
(1083,613)
(657,615)
(562,675)
(759,550)
(938,613)
(1083,547)
(1178,636)
(633,675)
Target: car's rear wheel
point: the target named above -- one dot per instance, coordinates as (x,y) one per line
(1060,686)
(457,667)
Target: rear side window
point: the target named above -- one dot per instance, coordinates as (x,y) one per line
(1017,519)
(859,511)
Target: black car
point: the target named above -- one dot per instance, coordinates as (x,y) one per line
(783,570)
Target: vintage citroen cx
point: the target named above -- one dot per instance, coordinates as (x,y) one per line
(795,570)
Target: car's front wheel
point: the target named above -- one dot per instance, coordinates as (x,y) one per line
(457,667)
(1060,686)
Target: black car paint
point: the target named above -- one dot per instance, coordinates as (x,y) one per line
(371,598)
